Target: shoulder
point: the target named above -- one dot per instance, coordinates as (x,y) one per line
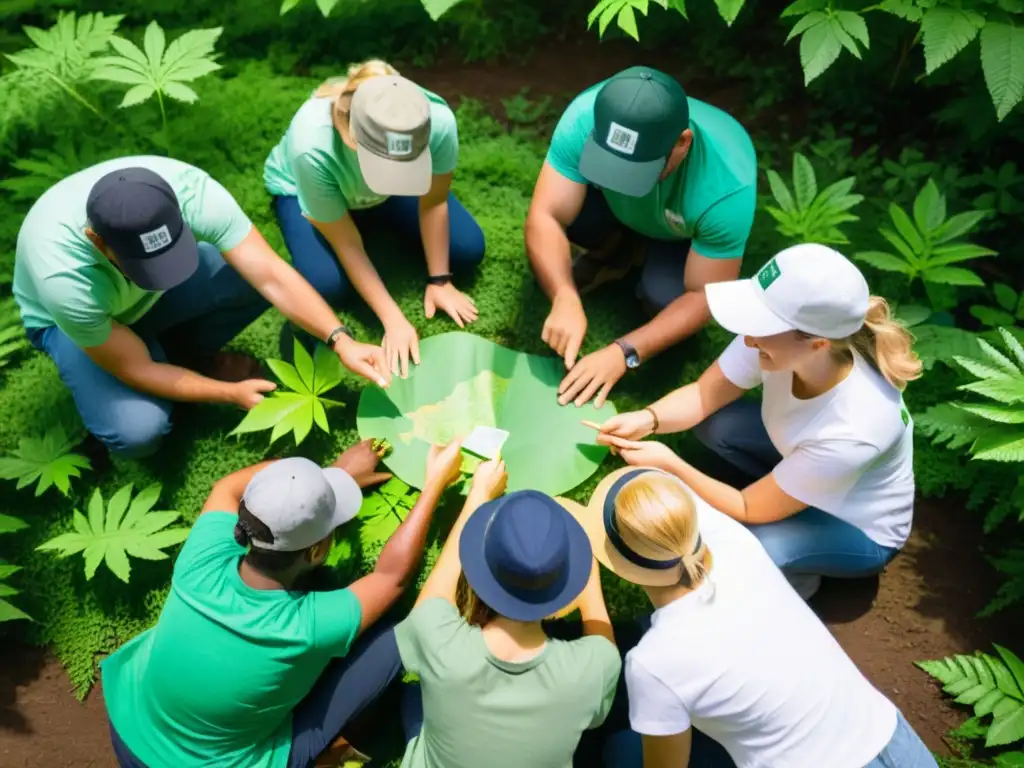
(433,615)
(577,121)
(591,653)
(311,131)
(869,410)
(727,146)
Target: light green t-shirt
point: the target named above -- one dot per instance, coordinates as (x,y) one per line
(479,710)
(61,279)
(311,161)
(215,681)
(710,198)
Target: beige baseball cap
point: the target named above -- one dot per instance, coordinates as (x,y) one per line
(390,122)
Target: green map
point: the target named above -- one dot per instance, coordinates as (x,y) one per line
(471,404)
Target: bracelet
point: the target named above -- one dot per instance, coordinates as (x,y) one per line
(332,337)
(440,279)
(654,416)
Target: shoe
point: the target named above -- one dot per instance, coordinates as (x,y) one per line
(231,367)
(805,584)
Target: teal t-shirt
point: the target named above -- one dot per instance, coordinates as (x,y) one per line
(710,198)
(61,279)
(215,681)
(479,710)
(311,161)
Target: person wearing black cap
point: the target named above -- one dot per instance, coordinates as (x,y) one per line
(133,273)
(494,689)
(637,172)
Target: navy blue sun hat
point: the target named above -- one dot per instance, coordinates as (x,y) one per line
(525,555)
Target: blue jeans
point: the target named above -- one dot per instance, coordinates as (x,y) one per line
(809,542)
(316,261)
(195,318)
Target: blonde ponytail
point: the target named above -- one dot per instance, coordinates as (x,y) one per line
(340,89)
(885,343)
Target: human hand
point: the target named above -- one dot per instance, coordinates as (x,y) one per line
(459,307)
(645,453)
(360,462)
(594,374)
(366,360)
(400,342)
(489,481)
(565,327)
(249,393)
(632,425)
(444,463)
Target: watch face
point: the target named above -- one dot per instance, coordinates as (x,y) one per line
(632,361)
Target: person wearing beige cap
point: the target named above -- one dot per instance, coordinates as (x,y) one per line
(374,153)
(826,458)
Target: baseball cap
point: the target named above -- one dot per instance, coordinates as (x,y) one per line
(638,117)
(809,287)
(137,214)
(301,503)
(390,122)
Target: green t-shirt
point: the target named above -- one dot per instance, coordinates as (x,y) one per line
(311,161)
(529,713)
(61,279)
(710,198)
(215,681)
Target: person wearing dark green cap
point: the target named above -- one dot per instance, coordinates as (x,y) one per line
(637,172)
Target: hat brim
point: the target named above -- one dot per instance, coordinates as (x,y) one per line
(616,172)
(402,178)
(348,497)
(167,270)
(738,307)
(487,587)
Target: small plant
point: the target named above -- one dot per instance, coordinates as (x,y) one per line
(1004,189)
(625,11)
(12,333)
(806,215)
(824,33)
(1009,309)
(9,612)
(942,344)
(296,409)
(120,531)
(47,459)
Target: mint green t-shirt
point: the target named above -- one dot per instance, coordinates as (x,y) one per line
(311,161)
(61,279)
(710,198)
(215,681)
(479,710)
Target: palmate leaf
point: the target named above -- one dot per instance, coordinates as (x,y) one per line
(120,530)
(383,511)
(46,461)
(66,50)
(434,8)
(883,260)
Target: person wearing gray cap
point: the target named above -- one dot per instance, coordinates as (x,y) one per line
(637,172)
(133,273)
(246,667)
(375,152)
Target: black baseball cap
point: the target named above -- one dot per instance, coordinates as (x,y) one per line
(137,214)
(639,115)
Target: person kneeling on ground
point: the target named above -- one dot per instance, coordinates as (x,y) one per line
(494,689)
(245,669)
(736,671)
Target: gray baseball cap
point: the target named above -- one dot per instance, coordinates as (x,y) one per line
(301,503)
(390,122)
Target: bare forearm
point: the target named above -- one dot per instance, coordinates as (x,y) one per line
(299,302)
(593,610)
(172,382)
(678,321)
(434,229)
(719,495)
(402,552)
(679,410)
(367,282)
(548,249)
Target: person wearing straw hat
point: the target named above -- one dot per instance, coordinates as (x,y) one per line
(736,671)
(827,456)
(495,690)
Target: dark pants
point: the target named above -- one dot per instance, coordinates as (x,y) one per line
(197,317)
(316,261)
(661,281)
(347,687)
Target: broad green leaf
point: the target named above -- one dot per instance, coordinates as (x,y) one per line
(780,192)
(9,612)
(938,343)
(288,5)
(181,92)
(320,416)
(1016,668)
(883,260)
(844,37)
(951,276)
(806,22)
(627,22)
(801,7)
(115,73)
(999,369)
(326,6)
(1006,297)
(117,507)
(287,374)
(96,511)
(947,31)
(154,44)
(142,503)
(1002,61)
(302,421)
(1006,729)
(956,252)
(45,460)
(599,10)
(991,316)
(117,562)
(855,26)
(327,369)
(929,208)
(906,228)
(1013,345)
(912,314)
(269,412)
(1003,390)
(805,185)
(957,226)
(1010,760)
(611,12)
(136,95)
(7,570)
(819,49)
(130,52)
(729,9)
(304,367)
(1001,414)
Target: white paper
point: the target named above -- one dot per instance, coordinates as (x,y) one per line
(485,442)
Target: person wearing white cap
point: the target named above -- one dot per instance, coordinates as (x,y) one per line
(735,670)
(829,450)
(246,667)
(375,152)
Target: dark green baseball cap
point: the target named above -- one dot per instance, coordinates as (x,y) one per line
(638,116)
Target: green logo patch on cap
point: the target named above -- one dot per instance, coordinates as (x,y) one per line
(768,274)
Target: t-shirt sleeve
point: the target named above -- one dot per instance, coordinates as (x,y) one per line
(212,538)
(567,142)
(604,657)
(319,196)
(214,215)
(740,364)
(78,306)
(444,140)
(336,618)
(723,230)
(429,634)
(821,474)
(654,710)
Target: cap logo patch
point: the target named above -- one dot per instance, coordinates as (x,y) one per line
(768,274)
(399,144)
(622,139)
(155,240)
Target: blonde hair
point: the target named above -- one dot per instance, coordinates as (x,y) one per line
(885,343)
(341,89)
(656,511)
(474,610)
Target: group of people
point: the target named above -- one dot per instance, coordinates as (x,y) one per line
(133,274)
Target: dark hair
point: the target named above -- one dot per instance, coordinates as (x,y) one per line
(474,610)
(250,529)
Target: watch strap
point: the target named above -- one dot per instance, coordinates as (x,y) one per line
(332,337)
(628,350)
(440,279)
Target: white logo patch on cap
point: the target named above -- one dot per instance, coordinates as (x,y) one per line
(399,144)
(155,240)
(622,138)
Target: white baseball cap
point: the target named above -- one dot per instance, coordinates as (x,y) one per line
(809,287)
(301,503)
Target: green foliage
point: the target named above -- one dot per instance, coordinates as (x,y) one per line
(43,168)
(298,408)
(624,12)
(121,530)
(12,333)
(824,33)
(1003,187)
(383,511)
(806,215)
(942,344)
(9,612)
(991,686)
(47,459)
(1008,310)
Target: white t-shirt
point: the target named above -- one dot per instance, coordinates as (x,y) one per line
(746,661)
(848,452)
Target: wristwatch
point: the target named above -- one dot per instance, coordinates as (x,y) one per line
(632,356)
(332,338)
(440,279)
